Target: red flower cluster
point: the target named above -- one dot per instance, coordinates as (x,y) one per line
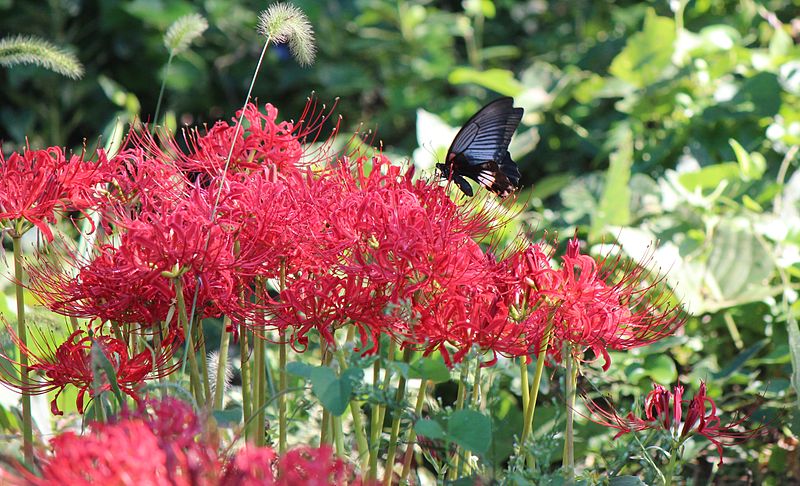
(300,241)
(78,361)
(164,443)
(679,417)
(37,184)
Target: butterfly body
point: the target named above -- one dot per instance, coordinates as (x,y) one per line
(480,150)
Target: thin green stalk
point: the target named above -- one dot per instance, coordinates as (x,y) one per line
(523,375)
(569,434)
(201,339)
(670,469)
(22,334)
(374,426)
(452,474)
(355,411)
(395,433)
(476,387)
(338,434)
(533,395)
(387,378)
(222,363)
(194,371)
(161,93)
(247,405)
(411,438)
(259,380)
(283,377)
(325,436)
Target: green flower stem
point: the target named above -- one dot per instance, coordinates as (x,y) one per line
(395,433)
(22,334)
(283,377)
(670,469)
(569,434)
(161,93)
(201,339)
(378,411)
(452,474)
(194,371)
(247,405)
(374,426)
(259,395)
(222,363)
(325,436)
(533,395)
(523,375)
(355,410)
(476,387)
(338,435)
(387,377)
(411,438)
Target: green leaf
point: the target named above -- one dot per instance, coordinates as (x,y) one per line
(661,368)
(499,80)
(794,347)
(429,369)
(471,430)
(616,199)
(648,53)
(429,428)
(752,166)
(738,266)
(332,392)
(626,481)
(302,370)
(711,176)
(228,418)
(740,360)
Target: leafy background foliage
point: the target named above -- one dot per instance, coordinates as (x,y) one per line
(645,121)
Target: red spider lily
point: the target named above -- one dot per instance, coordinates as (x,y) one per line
(263,142)
(115,285)
(327,302)
(664,410)
(147,175)
(74,362)
(37,184)
(602,307)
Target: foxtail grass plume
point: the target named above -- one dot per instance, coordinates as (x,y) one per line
(283,22)
(183,32)
(23,49)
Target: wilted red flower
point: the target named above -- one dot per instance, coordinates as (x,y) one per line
(679,417)
(602,307)
(77,360)
(37,184)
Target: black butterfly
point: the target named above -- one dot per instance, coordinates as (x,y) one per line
(480,150)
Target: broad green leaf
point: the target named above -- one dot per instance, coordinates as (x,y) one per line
(230,417)
(661,368)
(302,370)
(648,53)
(738,266)
(429,369)
(332,392)
(499,80)
(616,199)
(429,428)
(471,430)
(711,176)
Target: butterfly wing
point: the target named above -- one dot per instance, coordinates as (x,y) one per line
(480,149)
